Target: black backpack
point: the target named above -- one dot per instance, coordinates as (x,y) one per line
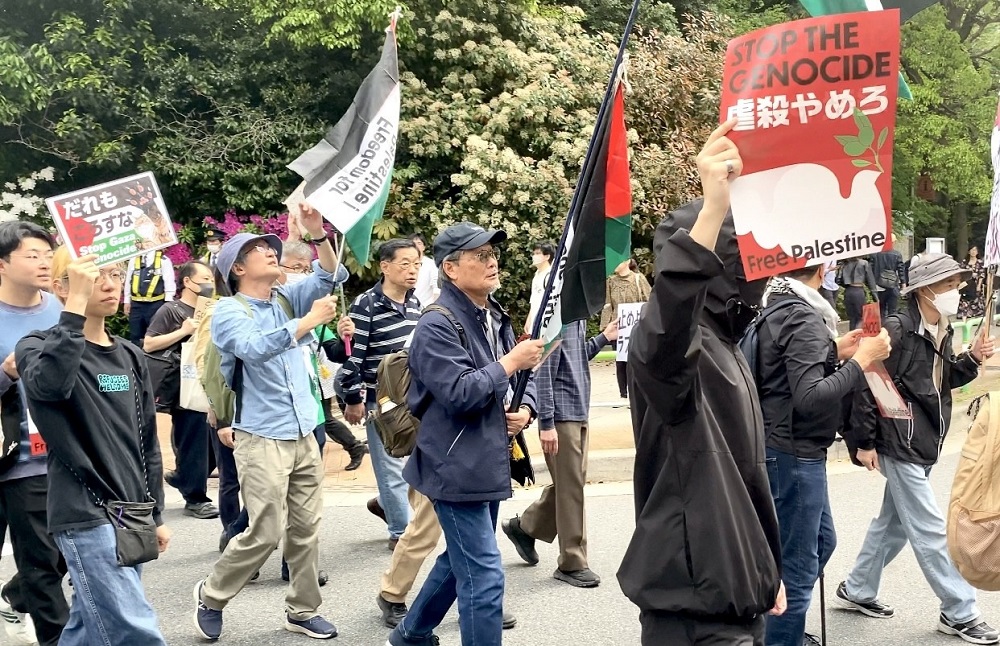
(750,343)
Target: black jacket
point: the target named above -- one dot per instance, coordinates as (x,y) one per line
(911,364)
(706,541)
(801,390)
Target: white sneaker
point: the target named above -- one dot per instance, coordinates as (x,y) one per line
(18,625)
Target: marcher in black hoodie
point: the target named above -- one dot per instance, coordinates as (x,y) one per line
(703,563)
(90,396)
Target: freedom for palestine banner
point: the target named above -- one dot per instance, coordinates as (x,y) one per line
(347,174)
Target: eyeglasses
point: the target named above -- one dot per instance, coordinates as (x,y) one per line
(296,269)
(485,255)
(407,265)
(35,257)
(115,276)
(265,250)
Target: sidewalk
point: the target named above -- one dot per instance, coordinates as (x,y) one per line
(612,448)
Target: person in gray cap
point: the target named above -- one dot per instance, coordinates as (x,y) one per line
(925,369)
(462,367)
(263,334)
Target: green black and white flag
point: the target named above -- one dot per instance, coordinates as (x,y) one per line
(347,174)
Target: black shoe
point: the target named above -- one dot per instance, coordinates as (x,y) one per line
(170,477)
(974,632)
(584,578)
(811,640)
(523,543)
(395,639)
(223,541)
(201,510)
(393,542)
(509,620)
(357,454)
(376,509)
(871,608)
(392,613)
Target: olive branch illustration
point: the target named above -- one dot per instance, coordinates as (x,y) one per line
(864,142)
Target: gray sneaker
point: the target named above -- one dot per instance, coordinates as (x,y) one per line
(974,632)
(201,510)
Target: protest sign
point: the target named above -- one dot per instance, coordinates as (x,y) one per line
(816,107)
(890,403)
(117,220)
(628,316)
(871,320)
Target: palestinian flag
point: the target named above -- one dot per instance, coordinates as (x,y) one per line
(602,233)
(347,174)
(907,9)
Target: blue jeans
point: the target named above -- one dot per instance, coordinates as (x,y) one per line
(910,513)
(109,604)
(469,570)
(798,486)
(392,488)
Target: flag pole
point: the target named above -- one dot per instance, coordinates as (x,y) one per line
(586,173)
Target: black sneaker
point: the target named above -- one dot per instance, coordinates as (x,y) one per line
(523,543)
(871,608)
(392,613)
(585,578)
(201,510)
(974,632)
(811,640)
(395,639)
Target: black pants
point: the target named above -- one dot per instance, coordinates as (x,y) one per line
(888,300)
(139,318)
(192,444)
(854,301)
(229,484)
(830,295)
(661,628)
(37,588)
(338,431)
(621,370)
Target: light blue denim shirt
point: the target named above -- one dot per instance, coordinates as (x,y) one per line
(278,401)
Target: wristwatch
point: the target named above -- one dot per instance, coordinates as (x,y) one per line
(531,415)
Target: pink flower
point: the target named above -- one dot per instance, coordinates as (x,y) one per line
(178,254)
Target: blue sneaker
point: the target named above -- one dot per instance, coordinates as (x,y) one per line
(317,627)
(207,622)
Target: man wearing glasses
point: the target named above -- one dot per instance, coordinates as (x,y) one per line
(277,457)
(462,387)
(384,317)
(26,305)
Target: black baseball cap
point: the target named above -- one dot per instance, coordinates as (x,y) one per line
(463,236)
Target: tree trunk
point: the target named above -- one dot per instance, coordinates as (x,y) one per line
(960,225)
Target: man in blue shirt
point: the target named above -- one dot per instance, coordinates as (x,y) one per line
(25,306)
(277,458)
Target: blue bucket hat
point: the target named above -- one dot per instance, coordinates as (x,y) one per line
(231,249)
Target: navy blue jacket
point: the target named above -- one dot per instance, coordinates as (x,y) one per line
(462,450)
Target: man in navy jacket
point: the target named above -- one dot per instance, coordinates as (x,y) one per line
(461,388)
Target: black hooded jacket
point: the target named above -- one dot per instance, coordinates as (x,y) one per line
(911,366)
(706,542)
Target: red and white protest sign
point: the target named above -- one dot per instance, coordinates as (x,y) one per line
(871,320)
(816,107)
(117,220)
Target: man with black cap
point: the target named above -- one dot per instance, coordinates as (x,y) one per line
(703,563)
(277,458)
(214,238)
(925,369)
(462,367)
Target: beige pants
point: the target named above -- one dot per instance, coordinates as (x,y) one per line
(281,484)
(415,545)
(560,510)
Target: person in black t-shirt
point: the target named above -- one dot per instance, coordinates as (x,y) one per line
(91,397)
(172,325)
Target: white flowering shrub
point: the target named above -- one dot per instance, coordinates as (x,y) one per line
(18,200)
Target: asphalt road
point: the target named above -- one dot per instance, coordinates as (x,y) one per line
(549,612)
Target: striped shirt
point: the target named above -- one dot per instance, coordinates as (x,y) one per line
(381,329)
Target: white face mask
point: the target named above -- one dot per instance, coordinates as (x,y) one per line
(291,278)
(537,259)
(214,248)
(947,303)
